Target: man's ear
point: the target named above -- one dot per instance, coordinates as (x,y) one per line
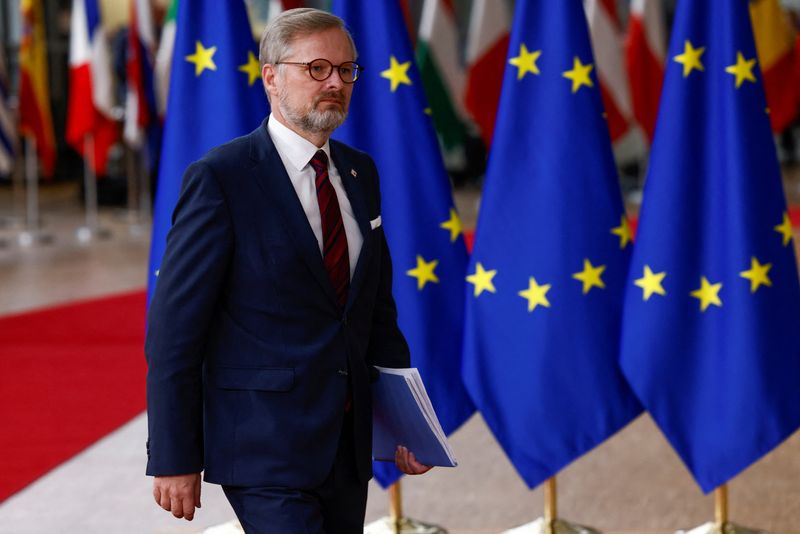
(268,74)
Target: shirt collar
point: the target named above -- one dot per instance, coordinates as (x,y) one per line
(297,149)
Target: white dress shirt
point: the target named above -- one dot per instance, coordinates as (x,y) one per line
(296,153)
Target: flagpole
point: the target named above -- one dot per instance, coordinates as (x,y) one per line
(396,523)
(396,506)
(721,524)
(32,233)
(549,523)
(721,506)
(138,208)
(91,229)
(550,505)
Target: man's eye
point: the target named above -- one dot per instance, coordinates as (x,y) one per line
(318,69)
(345,71)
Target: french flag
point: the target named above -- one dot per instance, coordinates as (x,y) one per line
(91,96)
(140,106)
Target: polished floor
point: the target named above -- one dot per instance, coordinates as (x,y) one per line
(633,483)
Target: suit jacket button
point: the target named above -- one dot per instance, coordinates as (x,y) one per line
(344,320)
(342,372)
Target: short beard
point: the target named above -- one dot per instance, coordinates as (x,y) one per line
(314,120)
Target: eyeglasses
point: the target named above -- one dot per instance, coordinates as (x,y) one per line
(321,69)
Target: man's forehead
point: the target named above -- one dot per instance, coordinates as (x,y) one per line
(332,40)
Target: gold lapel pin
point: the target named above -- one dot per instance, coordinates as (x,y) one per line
(353,172)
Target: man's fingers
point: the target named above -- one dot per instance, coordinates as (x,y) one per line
(164,501)
(197,486)
(187,505)
(176,507)
(416,466)
(157,494)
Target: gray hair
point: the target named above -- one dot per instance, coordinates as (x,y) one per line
(280,32)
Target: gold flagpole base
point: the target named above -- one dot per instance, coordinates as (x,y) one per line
(559,526)
(724,528)
(404,525)
(231,527)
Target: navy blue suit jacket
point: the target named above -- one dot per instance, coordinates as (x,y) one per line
(249,356)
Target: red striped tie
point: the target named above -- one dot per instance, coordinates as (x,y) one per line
(334,239)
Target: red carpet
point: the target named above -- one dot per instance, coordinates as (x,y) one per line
(69,375)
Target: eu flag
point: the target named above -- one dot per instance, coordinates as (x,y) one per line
(215,95)
(546,280)
(710,340)
(388,121)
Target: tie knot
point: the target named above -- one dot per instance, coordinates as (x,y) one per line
(320,162)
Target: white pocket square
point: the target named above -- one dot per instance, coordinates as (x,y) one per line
(376,222)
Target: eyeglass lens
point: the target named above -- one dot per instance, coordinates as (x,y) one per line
(321,69)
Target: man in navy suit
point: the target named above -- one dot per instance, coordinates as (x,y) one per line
(273,304)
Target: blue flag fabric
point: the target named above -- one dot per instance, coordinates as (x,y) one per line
(388,121)
(552,246)
(710,341)
(215,95)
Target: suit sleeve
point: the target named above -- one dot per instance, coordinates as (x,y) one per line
(187,291)
(387,345)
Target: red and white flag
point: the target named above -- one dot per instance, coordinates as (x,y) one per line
(140,99)
(607,44)
(645,49)
(487,48)
(91,88)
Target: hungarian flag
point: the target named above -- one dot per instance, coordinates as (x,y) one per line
(442,72)
(644,56)
(607,42)
(487,44)
(775,45)
(140,99)
(166,46)
(91,89)
(35,120)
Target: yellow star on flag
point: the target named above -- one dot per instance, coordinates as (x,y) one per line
(743,69)
(707,294)
(482,280)
(690,59)
(525,61)
(590,276)
(251,68)
(785,229)
(536,294)
(423,272)
(453,224)
(397,73)
(757,274)
(202,58)
(623,231)
(651,283)
(579,74)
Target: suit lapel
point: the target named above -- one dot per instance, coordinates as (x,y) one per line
(355,193)
(273,179)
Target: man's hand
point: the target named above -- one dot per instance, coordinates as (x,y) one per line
(178,494)
(406,462)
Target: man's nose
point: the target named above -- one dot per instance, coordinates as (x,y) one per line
(334,81)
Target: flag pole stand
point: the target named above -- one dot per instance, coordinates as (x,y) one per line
(550,523)
(396,523)
(91,229)
(721,525)
(32,234)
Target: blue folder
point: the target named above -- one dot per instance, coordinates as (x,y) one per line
(403,415)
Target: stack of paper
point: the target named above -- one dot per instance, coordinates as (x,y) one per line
(403,415)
